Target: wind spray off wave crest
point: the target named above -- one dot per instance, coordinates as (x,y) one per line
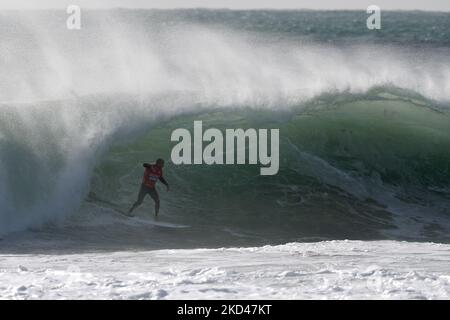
(115,53)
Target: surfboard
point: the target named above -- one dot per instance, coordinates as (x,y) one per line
(158,223)
(142,220)
(135,219)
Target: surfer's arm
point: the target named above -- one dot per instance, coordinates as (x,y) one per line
(164,182)
(146,165)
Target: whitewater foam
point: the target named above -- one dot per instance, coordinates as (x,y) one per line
(322,270)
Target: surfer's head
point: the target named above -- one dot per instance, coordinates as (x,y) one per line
(160,163)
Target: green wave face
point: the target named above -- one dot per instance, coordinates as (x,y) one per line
(350,167)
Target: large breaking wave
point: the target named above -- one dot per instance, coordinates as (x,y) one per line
(364,128)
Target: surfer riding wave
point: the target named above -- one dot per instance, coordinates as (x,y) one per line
(152,173)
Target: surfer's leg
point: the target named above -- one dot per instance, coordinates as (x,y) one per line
(141,196)
(154,194)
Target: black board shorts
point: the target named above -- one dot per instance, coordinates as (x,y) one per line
(147,190)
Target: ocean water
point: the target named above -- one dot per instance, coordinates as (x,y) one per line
(361,201)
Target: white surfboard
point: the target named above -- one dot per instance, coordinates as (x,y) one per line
(158,223)
(141,221)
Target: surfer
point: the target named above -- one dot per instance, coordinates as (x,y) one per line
(152,173)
